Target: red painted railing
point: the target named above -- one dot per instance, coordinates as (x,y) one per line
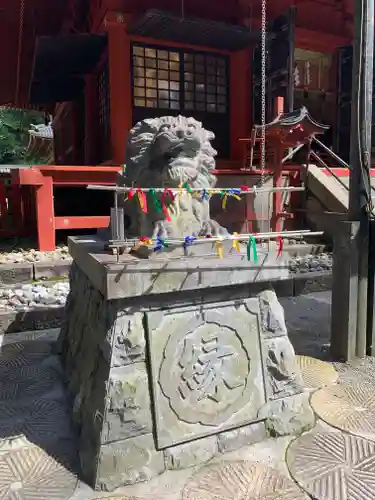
(11,208)
(40,181)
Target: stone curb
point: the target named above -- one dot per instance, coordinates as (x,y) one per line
(14,273)
(53,317)
(35,319)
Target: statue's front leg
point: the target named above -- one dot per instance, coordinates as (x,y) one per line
(160,230)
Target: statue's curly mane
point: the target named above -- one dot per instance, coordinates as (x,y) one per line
(189,165)
(166,152)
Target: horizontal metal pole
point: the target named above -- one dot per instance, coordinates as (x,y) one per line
(252,190)
(239,237)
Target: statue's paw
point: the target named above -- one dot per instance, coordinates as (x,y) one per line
(212,228)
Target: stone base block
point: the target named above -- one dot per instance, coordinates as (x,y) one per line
(171,377)
(245,436)
(188,455)
(289,416)
(127,462)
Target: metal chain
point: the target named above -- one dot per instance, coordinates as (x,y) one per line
(19,50)
(263,91)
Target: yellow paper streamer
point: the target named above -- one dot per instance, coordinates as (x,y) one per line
(219,248)
(224,200)
(141,201)
(236,244)
(179,191)
(143,242)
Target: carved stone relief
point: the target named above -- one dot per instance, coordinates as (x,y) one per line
(206,370)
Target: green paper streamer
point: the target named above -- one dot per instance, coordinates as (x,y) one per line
(252,245)
(188,188)
(248,249)
(155,200)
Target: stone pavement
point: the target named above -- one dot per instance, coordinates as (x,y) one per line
(334,461)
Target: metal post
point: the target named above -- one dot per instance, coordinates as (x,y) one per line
(360,153)
(350,274)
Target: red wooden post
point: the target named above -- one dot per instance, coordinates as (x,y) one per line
(119,57)
(277,207)
(240,101)
(3,206)
(17,209)
(45,216)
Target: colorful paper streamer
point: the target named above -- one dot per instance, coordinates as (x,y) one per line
(219,248)
(280,242)
(252,248)
(235,243)
(143,241)
(142,200)
(189,240)
(188,188)
(167,192)
(160,244)
(155,200)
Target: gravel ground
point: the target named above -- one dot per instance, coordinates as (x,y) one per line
(20,255)
(311,263)
(30,296)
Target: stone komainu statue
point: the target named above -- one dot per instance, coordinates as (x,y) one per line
(165,153)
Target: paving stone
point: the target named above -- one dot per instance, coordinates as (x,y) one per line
(32,473)
(316,373)
(348,406)
(333,466)
(241,480)
(36,422)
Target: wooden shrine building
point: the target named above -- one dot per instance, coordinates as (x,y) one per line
(99,66)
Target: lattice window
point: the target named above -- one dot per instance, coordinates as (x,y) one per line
(205,83)
(104,113)
(156,80)
(179,80)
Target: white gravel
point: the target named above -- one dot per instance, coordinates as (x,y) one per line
(30,255)
(311,263)
(30,296)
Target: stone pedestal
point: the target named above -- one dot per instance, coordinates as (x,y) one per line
(172,361)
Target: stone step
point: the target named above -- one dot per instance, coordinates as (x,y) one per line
(25,272)
(37,319)
(49,335)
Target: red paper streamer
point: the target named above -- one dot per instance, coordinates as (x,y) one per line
(142,200)
(244,188)
(167,192)
(280,248)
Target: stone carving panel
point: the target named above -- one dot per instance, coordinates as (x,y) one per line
(206,366)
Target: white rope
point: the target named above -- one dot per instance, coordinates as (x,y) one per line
(231,237)
(252,190)
(263,105)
